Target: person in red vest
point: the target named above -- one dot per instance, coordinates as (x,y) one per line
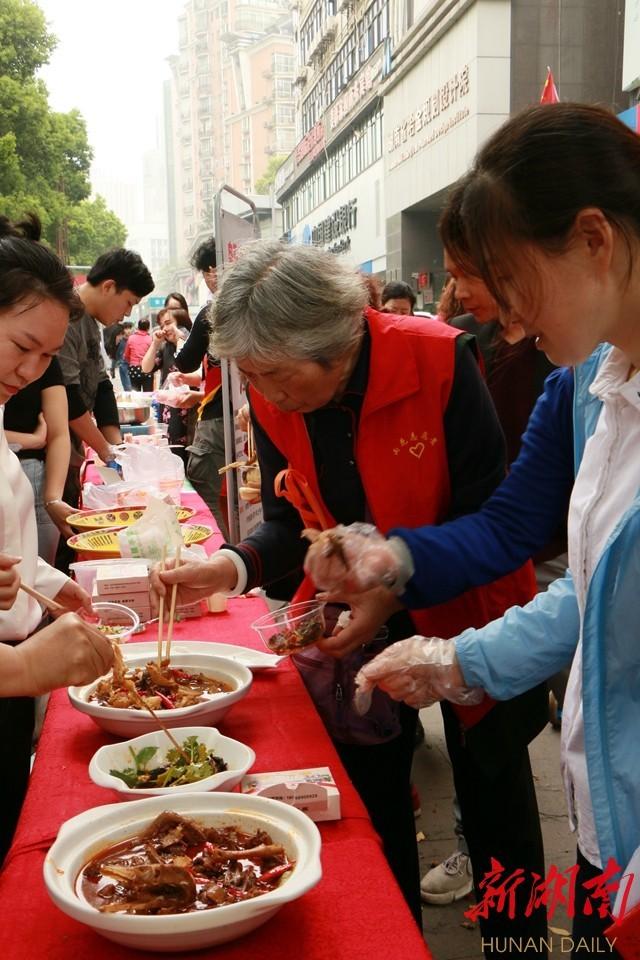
(389,420)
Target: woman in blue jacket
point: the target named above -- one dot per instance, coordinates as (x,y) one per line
(550,218)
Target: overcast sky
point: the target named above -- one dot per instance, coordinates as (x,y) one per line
(110,63)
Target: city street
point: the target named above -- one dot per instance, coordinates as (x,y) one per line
(447,933)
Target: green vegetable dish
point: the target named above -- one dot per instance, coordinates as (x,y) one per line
(174,770)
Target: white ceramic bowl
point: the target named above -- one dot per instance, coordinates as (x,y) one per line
(132,723)
(80,838)
(115,756)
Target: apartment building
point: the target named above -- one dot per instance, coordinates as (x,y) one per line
(230,106)
(331,187)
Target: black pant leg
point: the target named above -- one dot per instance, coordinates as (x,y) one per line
(16,729)
(589,928)
(500,820)
(382,776)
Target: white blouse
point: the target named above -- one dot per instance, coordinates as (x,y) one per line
(19,538)
(607,482)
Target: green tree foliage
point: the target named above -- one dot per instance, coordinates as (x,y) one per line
(265,182)
(26,44)
(45,157)
(92,229)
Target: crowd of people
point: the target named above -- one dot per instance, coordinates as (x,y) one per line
(476,467)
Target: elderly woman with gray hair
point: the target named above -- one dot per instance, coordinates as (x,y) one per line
(390,422)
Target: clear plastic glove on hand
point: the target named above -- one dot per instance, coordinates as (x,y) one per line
(419,671)
(351,559)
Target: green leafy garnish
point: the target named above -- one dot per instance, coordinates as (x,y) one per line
(174,771)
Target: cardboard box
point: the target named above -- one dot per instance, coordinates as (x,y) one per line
(115,579)
(138,602)
(313,790)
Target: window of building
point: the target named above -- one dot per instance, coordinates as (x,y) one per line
(285,114)
(347,161)
(202,64)
(202,22)
(246,144)
(283,88)
(359,45)
(282,63)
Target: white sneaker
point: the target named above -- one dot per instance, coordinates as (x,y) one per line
(450,880)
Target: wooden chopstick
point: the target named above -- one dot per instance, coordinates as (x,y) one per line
(162,725)
(161,610)
(130,685)
(51,605)
(172,609)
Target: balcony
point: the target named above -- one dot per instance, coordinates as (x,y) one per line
(330,29)
(301,77)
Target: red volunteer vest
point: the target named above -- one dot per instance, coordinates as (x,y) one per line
(402,459)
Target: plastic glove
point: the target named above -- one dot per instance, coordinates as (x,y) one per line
(419,671)
(351,559)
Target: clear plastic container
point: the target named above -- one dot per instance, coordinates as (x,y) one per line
(292,628)
(117,622)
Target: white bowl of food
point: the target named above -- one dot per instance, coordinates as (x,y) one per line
(150,765)
(119,711)
(185,891)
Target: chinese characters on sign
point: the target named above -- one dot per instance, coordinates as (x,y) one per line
(557,889)
(354,93)
(335,226)
(312,144)
(422,124)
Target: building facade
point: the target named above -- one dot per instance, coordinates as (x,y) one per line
(331,186)
(230,107)
(396,96)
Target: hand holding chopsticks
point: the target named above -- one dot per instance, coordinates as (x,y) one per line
(172,609)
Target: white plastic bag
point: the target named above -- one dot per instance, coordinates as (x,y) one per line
(157,532)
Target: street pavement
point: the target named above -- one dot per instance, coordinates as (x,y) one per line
(448,935)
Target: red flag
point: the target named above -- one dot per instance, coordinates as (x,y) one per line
(549,92)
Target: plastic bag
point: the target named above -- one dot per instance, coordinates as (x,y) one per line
(149,463)
(155,534)
(132,494)
(331,685)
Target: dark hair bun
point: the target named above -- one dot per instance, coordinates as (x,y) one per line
(29,229)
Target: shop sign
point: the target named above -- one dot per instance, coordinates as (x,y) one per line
(335,226)
(311,144)
(432,109)
(355,93)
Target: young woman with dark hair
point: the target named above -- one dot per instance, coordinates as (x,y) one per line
(36,300)
(549,216)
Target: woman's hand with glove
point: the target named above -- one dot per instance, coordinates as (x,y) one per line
(352,559)
(418,670)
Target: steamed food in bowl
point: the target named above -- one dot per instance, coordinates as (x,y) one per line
(178,865)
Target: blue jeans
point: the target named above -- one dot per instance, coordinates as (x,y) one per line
(48,533)
(125,376)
